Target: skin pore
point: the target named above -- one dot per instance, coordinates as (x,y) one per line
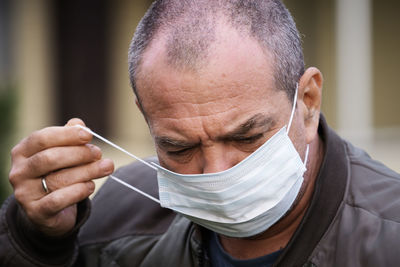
(208,120)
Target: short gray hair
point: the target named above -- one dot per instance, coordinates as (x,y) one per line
(191,28)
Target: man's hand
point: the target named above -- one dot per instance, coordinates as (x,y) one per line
(68,163)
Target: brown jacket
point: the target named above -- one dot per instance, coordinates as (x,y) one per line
(353,220)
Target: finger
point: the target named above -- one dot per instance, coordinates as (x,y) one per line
(80,174)
(32,189)
(58,200)
(56,158)
(51,137)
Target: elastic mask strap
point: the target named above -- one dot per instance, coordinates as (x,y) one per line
(293,108)
(135,189)
(116,146)
(129,154)
(306,156)
(291,119)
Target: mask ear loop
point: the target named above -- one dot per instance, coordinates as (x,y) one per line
(306,156)
(129,154)
(115,146)
(291,119)
(293,108)
(134,189)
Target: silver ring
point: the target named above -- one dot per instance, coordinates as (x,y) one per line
(44,185)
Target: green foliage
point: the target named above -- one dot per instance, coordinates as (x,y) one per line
(8,101)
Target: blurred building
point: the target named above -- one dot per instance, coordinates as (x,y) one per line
(68,58)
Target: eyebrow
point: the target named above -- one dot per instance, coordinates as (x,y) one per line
(165,141)
(257,121)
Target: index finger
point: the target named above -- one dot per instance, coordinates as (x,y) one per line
(53,137)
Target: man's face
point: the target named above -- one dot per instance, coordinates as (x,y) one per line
(209,120)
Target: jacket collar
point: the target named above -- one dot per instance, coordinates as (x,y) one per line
(328,194)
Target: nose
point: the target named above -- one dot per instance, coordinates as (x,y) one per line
(220,157)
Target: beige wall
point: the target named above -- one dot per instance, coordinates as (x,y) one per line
(34,65)
(127,122)
(315,21)
(386,62)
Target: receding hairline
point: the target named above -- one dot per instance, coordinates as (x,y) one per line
(160,42)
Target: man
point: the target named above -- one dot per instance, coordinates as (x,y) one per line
(253,174)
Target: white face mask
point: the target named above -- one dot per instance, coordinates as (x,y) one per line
(244,200)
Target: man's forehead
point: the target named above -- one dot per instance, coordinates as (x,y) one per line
(235,65)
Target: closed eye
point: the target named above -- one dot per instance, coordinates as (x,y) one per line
(249,140)
(180,152)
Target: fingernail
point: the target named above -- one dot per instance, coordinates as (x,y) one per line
(90,186)
(106,165)
(96,152)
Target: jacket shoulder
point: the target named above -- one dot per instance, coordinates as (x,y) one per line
(118,211)
(373,187)
(365,229)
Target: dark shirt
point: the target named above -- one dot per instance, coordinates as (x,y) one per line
(219,258)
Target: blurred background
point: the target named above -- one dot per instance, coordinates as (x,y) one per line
(68,58)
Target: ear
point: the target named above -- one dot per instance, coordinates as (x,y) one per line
(310,94)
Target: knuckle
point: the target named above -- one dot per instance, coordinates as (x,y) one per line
(33,163)
(35,138)
(32,211)
(40,141)
(14,175)
(15,151)
(19,195)
(40,138)
(45,158)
